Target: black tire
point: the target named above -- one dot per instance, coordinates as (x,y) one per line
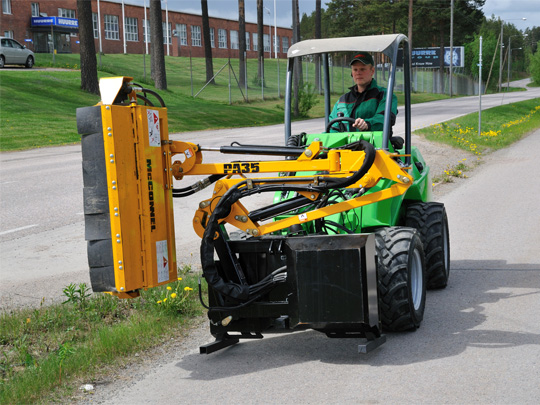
(2,62)
(401,273)
(29,62)
(431,222)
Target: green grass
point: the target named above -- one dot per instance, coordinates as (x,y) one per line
(501,126)
(37,108)
(46,353)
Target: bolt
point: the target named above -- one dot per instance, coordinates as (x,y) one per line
(117,235)
(112,160)
(312,196)
(116,214)
(109,129)
(116,208)
(308,153)
(111,155)
(119,261)
(109,134)
(113,182)
(255,232)
(107,108)
(120,267)
(114,187)
(121,288)
(196,220)
(117,240)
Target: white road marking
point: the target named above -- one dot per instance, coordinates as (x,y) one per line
(22,228)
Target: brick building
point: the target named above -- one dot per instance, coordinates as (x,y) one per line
(52,25)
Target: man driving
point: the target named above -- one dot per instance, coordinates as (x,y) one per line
(365,102)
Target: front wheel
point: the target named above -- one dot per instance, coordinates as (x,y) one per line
(401,273)
(29,62)
(431,222)
(2,62)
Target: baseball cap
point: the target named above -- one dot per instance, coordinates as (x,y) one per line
(363,57)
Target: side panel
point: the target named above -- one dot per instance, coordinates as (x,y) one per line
(138,190)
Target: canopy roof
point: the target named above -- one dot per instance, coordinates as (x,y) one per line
(372,43)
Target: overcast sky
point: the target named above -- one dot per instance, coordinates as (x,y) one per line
(509,10)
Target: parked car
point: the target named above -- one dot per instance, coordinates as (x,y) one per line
(13,53)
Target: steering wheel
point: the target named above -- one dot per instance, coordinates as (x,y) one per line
(341,127)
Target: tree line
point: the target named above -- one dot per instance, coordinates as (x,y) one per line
(426,22)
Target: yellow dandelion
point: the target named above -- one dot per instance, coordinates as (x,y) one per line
(159,302)
(188,289)
(165,300)
(27,320)
(173,295)
(179,278)
(169,288)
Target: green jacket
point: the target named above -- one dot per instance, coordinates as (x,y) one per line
(368,105)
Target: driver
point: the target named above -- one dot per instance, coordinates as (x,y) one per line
(365,101)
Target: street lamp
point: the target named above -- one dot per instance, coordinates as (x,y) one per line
(510,57)
(269,32)
(275,32)
(501,58)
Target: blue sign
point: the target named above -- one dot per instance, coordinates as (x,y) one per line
(56,21)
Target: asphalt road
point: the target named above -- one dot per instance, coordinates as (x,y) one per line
(479,342)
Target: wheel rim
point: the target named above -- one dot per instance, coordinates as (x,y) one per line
(416,281)
(446,248)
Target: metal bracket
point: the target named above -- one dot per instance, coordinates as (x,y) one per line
(371,344)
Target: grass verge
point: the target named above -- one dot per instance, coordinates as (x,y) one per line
(501,126)
(48,352)
(37,108)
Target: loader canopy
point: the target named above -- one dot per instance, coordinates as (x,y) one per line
(385,44)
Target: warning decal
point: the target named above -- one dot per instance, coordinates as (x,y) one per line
(154,136)
(162,256)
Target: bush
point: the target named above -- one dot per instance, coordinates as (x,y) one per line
(535,67)
(307,99)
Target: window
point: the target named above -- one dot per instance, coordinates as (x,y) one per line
(95,25)
(234,39)
(132,31)
(284,44)
(247,41)
(255,41)
(222,38)
(111,27)
(182,31)
(35,9)
(195,35)
(266,41)
(8,34)
(6,6)
(167,33)
(66,13)
(146,31)
(212,38)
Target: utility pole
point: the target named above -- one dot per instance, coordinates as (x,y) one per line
(480,89)
(501,56)
(451,42)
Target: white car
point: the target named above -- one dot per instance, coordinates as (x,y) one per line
(13,53)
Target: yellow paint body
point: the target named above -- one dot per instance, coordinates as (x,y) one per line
(137,154)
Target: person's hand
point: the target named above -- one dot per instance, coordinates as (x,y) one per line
(360,124)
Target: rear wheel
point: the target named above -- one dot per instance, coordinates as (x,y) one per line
(2,62)
(431,222)
(29,62)
(401,272)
